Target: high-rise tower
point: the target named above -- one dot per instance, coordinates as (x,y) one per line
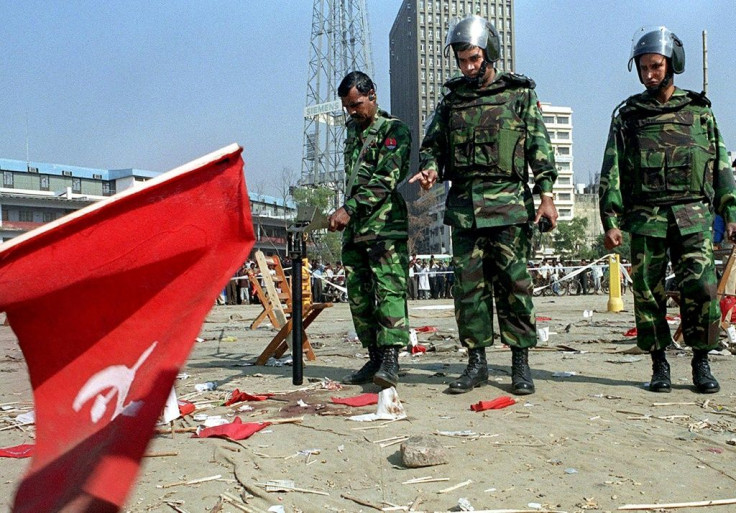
(340,43)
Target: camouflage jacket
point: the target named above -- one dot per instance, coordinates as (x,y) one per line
(661,158)
(376,208)
(484,140)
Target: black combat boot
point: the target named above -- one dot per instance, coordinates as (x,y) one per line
(703,380)
(366,373)
(521,374)
(660,381)
(388,375)
(474,375)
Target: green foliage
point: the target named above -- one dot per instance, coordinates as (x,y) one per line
(324,246)
(569,238)
(318,197)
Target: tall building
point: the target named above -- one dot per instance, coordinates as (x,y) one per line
(558,121)
(418,69)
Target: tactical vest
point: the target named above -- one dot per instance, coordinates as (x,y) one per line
(670,157)
(486,137)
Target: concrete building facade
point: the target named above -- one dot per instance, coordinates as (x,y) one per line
(35,193)
(558,121)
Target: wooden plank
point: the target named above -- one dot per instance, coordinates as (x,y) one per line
(271,292)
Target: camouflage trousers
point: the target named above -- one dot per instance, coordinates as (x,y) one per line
(376,276)
(695,276)
(491,263)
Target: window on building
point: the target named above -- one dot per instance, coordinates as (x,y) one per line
(565,212)
(44,182)
(77,185)
(563,166)
(107,189)
(563,120)
(25,215)
(548,120)
(563,150)
(7,179)
(48,217)
(564,180)
(563,134)
(563,196)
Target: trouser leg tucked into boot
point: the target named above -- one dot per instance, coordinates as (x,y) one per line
(703,380)
(366,373)
(521,374)
(388,374)
(660,381)
(474,375)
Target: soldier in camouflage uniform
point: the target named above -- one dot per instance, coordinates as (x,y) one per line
(665,171)
(485,134)
(374,218)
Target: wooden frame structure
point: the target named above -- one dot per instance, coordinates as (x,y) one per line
(275,297)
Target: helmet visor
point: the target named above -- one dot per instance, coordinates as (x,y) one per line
(651,39)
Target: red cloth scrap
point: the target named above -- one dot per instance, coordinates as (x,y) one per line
(419,348)
(233,431)
(426,329)
(494,404)
(542,318)
(630,333)
(358,400)
(238,396)
(185,407)
(19,451)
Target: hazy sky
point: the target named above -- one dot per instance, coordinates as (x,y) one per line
(155,84)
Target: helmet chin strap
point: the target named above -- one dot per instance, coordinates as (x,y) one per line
(666,81)
(477,80)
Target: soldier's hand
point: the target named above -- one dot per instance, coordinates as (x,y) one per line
(426,177)
(613,238)
(547,209)
(731,231)
(339,220)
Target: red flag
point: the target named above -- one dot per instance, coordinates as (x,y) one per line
(106,304)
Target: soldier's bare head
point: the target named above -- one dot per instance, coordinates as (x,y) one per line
(358,94)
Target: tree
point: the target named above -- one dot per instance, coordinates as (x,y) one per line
(569,238)
(327,246)
(419,219)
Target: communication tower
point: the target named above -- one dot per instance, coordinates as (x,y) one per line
(340,43)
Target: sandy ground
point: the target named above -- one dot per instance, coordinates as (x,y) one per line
(591,439)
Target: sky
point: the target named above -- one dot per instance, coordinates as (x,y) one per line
(155,84)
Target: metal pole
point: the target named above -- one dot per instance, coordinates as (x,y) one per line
(705,61)
(296,307)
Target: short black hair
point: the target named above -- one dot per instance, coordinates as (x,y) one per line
(358,80)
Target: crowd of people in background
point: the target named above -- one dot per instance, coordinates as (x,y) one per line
(430,278)
(592,278)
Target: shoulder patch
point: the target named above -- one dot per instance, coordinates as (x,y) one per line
(390,143)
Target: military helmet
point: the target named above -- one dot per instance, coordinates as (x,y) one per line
(659,40)
(476,31)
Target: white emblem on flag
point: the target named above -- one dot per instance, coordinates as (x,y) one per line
(106,384)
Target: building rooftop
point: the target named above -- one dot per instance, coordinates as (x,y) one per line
(76,171)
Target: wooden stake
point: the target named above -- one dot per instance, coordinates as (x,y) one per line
(362,502)
(674,505)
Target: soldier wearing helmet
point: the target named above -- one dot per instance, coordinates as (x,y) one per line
(485,135)
(665,174)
